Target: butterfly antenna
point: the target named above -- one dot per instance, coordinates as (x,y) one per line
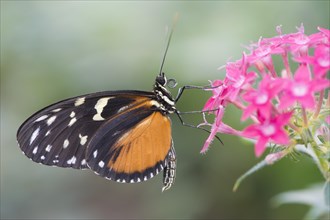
(175,20)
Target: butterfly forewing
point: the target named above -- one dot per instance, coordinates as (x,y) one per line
(59,134)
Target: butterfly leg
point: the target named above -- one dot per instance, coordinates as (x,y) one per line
(181,89)
(169,169)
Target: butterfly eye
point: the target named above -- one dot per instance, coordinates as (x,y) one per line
(161,79)
(171,83)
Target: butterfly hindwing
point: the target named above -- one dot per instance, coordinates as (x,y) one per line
(59,134)
(131,147)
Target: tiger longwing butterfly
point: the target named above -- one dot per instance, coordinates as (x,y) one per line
(123,136)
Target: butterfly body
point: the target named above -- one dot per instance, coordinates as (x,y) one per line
(123,136)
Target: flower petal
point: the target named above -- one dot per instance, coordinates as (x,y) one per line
(281,137)
(260,146)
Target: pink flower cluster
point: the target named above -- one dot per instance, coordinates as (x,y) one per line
(272,95)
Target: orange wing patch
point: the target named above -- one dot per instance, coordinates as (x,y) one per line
(143,146)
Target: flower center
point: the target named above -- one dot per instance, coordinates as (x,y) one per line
(268,130)
(323,62)
(299,90)
(262,98)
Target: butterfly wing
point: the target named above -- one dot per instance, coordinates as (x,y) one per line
(59,134)
(132,146)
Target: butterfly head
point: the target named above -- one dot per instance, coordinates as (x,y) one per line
(161,79)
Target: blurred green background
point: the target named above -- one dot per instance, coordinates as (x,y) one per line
(52,50)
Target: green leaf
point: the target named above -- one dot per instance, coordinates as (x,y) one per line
(254,169)
(311,196)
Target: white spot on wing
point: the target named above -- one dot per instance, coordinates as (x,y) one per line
(72,160)
(35,150)
(95,154)
(48,147)
(42,157)
(122,108)
(83,162)
(34,135)
(72,121)
(57,110)
(41,118)
(66,143)
(72,114)
(51,120)
(79,101)
(47,133)
(101,103)
(83,139)
(101,164)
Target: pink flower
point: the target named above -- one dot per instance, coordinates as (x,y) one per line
(217,96)
(268,130)
(218,127)
(321,60)
(214,130)
(266,94)
(238,78)
(287,108)
(263,55)
(299,43)
(261,100)
(301,89)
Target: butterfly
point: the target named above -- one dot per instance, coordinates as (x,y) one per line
(123,136)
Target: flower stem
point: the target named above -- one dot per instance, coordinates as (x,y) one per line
(319,105)
(294,127)
(238,105)
(286,65)
(304,116)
